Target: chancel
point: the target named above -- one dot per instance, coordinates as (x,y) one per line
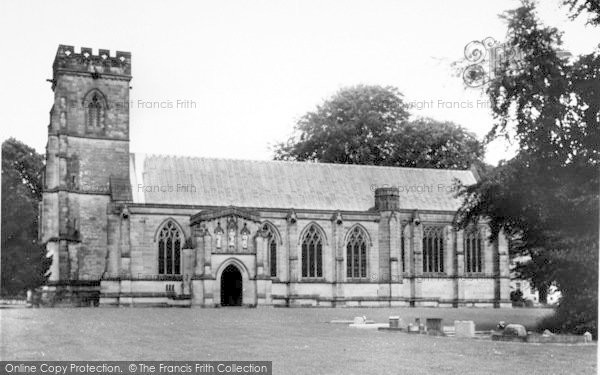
(242,232)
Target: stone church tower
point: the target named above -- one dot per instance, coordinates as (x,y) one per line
(86,153)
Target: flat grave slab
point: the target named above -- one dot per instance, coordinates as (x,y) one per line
(368,326)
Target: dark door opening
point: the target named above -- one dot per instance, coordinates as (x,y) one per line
(231,286)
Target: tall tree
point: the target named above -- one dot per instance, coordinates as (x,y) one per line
(427,143)
(546,198)
(353,127)
(24,263)
(589,7)
(370,125)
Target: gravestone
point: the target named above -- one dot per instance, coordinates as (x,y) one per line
(434,325)
(394,322)
(587,337)
(515,330)
(547,333)
(464,328)
(413,328)
(360,320)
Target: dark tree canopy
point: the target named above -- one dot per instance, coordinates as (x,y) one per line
(370,125)
(546,198)
(589,7)
(353,127)
(427,143)
(24,262)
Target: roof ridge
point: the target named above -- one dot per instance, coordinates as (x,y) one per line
(171,156)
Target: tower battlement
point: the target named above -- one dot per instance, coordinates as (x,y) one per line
(67,59)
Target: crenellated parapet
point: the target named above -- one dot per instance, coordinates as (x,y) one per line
(86,62)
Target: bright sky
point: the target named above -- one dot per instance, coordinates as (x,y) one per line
(252,68)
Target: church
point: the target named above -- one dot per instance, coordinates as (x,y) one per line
(128,229)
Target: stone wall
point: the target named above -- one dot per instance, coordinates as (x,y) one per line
(144,246)
(379,288)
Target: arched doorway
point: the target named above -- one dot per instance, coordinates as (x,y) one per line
(231,286)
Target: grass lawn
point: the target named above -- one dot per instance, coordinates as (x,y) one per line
(298,341)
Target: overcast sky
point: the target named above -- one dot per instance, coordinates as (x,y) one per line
(252,68)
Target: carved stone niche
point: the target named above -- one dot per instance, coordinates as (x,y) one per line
(228,237)
(245,233)
(219,232)
(231,232)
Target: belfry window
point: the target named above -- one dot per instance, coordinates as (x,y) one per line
(356,254)
(312,253)
(472,248)
(433,249)
(95,109)
(169,250)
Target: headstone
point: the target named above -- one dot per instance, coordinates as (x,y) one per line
(449,330)
(434,324)
(412,328)
(547,333)
(359,320)
(422,328)
(464,328)
(516,330)
(587,337)
(394,322)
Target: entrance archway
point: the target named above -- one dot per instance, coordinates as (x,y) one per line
(231,286)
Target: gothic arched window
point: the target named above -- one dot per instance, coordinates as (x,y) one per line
(271,249)
(433,249)
(473,262)
(95,107)
(170,241)
(356,254)
(312,253)
(403,248)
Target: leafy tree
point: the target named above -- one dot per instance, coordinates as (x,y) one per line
(546,198)
(591,7)
(24,262)
(353,127)
(427,143)
(370,125)
(516,295)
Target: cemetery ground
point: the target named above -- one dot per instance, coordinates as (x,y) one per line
(298,340)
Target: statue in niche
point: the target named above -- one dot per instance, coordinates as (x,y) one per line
(219,236)
(231,231)
(231,237)
(63,120)
(245,236)
(244,241)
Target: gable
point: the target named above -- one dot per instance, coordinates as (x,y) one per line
(225,212)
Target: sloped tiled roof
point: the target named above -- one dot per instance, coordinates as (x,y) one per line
(280,184)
